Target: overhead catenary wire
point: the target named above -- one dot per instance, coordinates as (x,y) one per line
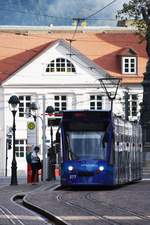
(98,11)
(80,40)
(77,24)
(36,14)
(62,17)
(78,20)
(70,42)
(74,104)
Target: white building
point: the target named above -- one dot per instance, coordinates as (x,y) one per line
(61,76)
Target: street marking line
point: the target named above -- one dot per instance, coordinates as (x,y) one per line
(79,218)
(97,217)
(20,217)
(12,216)
(5,216)
(122,217)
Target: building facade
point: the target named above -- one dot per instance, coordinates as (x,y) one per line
(47,67)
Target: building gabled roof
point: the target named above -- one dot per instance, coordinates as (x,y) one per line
(76,54)
(17,58)
(18,47)
(127,52)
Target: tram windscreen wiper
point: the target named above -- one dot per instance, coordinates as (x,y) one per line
(72,154)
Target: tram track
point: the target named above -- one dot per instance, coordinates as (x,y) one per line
(110,214)
(97,218)
(19,200)
(7,214)
(83,206)
(118,208)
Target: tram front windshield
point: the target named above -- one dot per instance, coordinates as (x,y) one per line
(86,145)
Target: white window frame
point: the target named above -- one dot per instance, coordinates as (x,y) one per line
(60,65)
(95,101)
(18,146)
(58,103)
(131,103)
(130,66)
(24,104)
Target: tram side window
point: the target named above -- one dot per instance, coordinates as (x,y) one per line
(112,153)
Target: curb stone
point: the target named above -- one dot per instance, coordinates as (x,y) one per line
(44,212)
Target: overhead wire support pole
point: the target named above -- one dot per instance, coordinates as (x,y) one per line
(70,42)
(72,39)
(105,82)
(78,22)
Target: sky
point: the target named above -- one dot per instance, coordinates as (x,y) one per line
(57,12)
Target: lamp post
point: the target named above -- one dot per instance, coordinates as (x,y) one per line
(13,104)
(34,108)
(108,83)
(50,110)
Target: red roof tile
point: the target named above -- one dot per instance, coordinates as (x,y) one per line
(103,48)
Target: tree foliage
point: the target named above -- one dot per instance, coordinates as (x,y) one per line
(139,11)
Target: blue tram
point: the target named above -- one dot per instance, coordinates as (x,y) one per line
(98,148)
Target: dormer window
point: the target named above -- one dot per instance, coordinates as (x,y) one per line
(128,59)
(61,65)
(129,65)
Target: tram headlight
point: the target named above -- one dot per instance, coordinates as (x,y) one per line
(70,168)
(101,168)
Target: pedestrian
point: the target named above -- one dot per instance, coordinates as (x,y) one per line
(52,160)
(35,164)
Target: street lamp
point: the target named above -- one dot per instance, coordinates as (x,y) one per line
(110,83)
(50,110)
(13,104)
(34,108)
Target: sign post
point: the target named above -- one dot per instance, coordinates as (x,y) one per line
(31,133)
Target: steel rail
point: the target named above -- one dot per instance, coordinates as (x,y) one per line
(99,219)
(10,216)
(118,208)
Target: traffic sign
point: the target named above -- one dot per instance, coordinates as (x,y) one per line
(31,125)
(31,133)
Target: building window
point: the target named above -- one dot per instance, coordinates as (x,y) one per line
(60,65)
(133,104)
(25,102)
(129,65)
(95,102)
(60,103)
(20,147)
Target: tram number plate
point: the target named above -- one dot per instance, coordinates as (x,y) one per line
(73,176)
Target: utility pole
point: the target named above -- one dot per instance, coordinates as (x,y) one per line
(43,143)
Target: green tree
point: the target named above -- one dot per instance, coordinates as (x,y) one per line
(139,11)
